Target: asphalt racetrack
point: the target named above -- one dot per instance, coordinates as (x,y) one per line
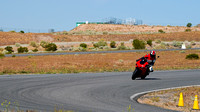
(89,92)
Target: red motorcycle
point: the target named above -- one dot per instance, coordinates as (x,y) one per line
(142,69)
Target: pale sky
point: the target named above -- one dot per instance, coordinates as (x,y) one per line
(63,14)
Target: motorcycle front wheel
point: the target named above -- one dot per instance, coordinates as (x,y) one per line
(134,76)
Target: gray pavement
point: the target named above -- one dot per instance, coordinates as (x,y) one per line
(93,52)
(89,92)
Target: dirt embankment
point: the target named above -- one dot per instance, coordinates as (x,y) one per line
(131,28)
(7,38)
(179,34)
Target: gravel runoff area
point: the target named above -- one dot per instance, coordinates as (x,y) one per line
(169,98)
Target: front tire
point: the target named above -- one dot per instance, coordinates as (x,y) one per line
(134,76)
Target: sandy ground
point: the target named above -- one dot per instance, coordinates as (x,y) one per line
(169,98)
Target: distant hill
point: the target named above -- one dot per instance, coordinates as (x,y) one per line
(130,28)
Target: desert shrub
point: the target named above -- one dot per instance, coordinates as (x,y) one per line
(177,44)
(2,55)
(9,49)
(43,44)
(17,44)
(35,50)
(51,47)
(113,44)
(138,44)
(95,45)
(83,45)
(188,46)
(149,42)
(100,44)
(1,50)
(160,46)
(12,31)
(122,46)
(33,44)
(161,31)
(105,33)
(65,33)
(189,24)
(192,56)
(21,31)
(182,51)
(158,41)
(187,30)
(22,49)
(82,49)
(193,43)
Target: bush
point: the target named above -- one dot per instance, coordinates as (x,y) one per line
(82,49)
(17,44)
(9,49)
(21,31)
(192,56)
(35,50)
(44,44)
(105,33)
(22,49)
(113,44)
(160,46)
(65,33)
(158,41)
(95,45)
(187,30)
(83,45)
(1,50)
(138,44)
(2,55)
(51,47)
(33,44)
(149,42)
(100,44)
(12,31)
(122,46)
(161,31)
(177,44)
(189,24)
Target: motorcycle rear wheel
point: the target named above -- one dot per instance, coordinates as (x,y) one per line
(143,77)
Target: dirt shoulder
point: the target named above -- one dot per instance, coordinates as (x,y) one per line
(113,62)
(169,99)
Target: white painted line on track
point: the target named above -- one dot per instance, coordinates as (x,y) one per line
(145,92)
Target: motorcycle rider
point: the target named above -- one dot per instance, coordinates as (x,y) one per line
(151,58)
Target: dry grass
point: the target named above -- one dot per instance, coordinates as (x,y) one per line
(169,98)
(93,62)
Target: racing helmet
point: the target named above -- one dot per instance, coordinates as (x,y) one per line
(153,54)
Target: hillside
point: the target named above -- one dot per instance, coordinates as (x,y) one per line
(130,28)
(177,33)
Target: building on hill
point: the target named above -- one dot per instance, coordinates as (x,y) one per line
(198,25)
(79,23)
(129,21)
